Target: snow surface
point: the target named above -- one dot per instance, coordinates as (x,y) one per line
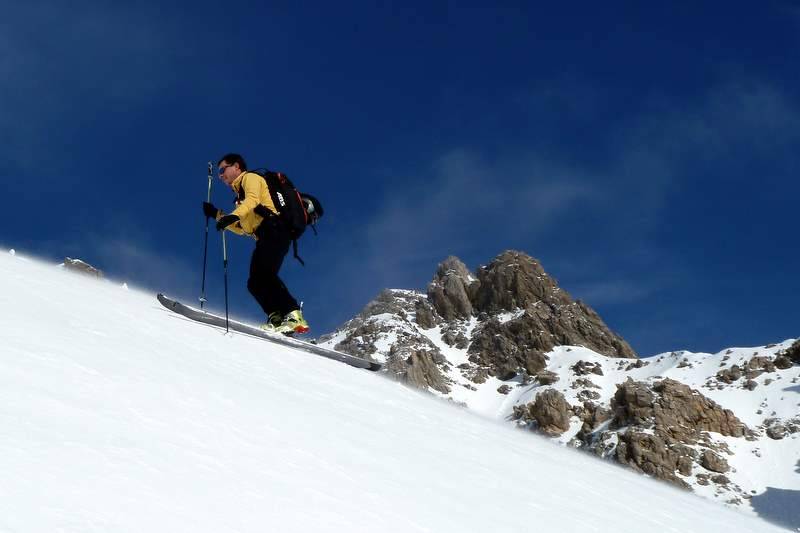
(118,415)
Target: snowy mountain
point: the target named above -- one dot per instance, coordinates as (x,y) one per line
(510,345)
(118,415)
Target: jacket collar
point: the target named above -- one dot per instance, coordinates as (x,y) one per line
(237,183)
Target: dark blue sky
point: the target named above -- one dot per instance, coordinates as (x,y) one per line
(647,156)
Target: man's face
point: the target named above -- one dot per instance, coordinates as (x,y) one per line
(228,172)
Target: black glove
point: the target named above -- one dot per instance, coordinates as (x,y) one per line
(226,221)
(209,210)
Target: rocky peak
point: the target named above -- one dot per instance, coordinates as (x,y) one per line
(392,302)
(452,290)
(506,318)
(528,314)
(514,280)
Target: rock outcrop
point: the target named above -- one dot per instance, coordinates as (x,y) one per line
(412,358)
(793,353)
(450,290)
(418,367)
(660,425)
(652,455)
(674,410)
(81,267)
(549,410)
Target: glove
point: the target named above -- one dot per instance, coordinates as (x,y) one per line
(209,210)
(226,221)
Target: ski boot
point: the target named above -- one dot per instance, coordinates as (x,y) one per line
(293,323)
(273,323)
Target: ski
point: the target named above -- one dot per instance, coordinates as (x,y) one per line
(214,320)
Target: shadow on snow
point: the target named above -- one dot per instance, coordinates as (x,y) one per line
(779,506)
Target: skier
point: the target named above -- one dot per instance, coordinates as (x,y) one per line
(255,215)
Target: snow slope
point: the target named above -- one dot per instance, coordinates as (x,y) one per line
(117,415)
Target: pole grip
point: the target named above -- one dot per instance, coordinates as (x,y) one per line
(210,179)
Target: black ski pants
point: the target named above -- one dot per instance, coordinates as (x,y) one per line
(264,284)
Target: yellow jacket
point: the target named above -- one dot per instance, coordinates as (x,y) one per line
(251,189)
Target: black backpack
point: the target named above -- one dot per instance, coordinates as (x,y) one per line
(296,210)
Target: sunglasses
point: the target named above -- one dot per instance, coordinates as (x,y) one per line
(221,170)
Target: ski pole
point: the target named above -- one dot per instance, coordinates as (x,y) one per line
(225,268)
(205,247)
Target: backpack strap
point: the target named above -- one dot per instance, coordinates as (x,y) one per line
(266,213)
(294,247)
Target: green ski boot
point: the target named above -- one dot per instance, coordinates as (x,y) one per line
(293,323)
(274,321)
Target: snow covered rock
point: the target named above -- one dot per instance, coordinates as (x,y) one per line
(81,267)
(673,409)
(387,329)
(714,462)
(661,427)
(550,411)
(793,353)
(652,455)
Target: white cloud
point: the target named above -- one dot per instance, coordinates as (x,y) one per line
(129,253)
(523,196)
(615,292)
(468,198)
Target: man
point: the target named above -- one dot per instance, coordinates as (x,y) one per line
(255,215)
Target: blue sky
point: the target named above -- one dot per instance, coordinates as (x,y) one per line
(648,157)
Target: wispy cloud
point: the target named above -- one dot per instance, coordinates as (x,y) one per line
(669,149)
(610,212)
(469,198)
(132,253)
(616,292)
(756,117)
(130,260)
